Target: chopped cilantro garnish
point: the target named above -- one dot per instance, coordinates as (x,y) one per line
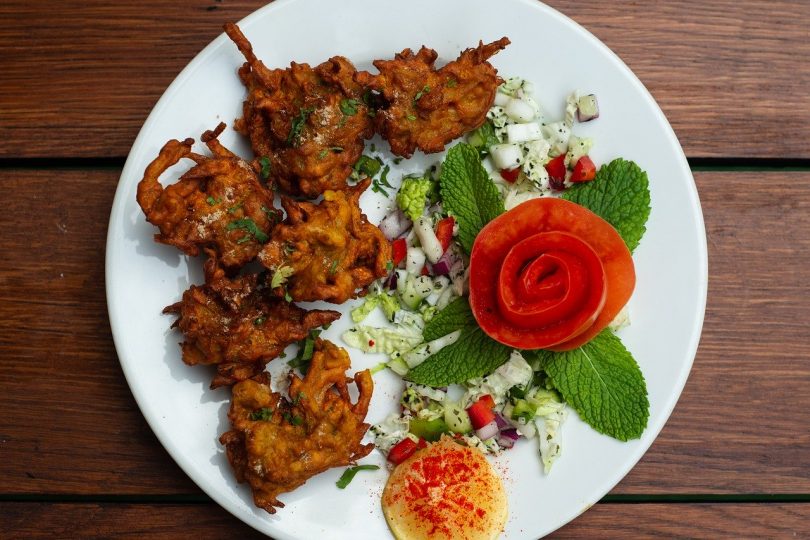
(287,296)
(389,266)
(250,226)
(382,182)
(397,160)
(306,348)
(280,276)
(244,239)
(349,106)
(211,200)
(271,214)
(452,83)
(234,208)
(333,266)
(323,153)
(368,166)
(294,137)
(265,167)
(349,474)
(265,413)
(425,89)
(259,320)
(411,117)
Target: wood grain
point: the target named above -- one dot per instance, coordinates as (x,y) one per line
(80,77)
(70,425)
(204,521)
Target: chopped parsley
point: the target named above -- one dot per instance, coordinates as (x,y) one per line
(212,201)
(323,153)
(389,266)
(349,106)
(294,137)
(349,474)
(294,420)
(250,226)
(265,167)
(265,413)
(287,296)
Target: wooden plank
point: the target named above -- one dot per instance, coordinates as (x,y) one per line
(727,74)
(203,521)
(71,425)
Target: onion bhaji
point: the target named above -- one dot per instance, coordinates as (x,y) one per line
(219,203)
(276,444)
(330,250)
(427,108)
(238,324)
(310,123)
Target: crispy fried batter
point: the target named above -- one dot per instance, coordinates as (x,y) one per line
(276,444)
(331,247)
(310,123)
(218,203)
(239,325)
(427,108)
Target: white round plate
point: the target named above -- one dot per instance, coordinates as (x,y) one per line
(548,49)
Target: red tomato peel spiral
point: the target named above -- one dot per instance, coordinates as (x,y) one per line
(548,274)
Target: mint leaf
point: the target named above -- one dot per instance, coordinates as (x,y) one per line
(456,315)
(474,355)
(620,195)
(468,193)
(603,383)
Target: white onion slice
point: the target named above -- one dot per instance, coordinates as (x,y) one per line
(414,260)
(488,431)
(516,133)
(519,111)
(506,156)
(430,243)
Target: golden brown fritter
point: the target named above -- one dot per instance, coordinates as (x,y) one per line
(310,123)
(427,108)
(219,203)
(277,444)
(330,248)
(239,324)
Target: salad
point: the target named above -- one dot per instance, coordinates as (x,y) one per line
(494,346)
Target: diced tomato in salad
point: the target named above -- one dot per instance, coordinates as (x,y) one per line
(584,170)
(405,449)
(444,231)
(481,413)
(400,249)
(510,175)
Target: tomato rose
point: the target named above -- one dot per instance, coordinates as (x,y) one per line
(548,274)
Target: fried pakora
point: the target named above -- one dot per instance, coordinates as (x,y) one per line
(219,203)
(326,251)
(427,108)
(276,444)
(309,123)
(238,324)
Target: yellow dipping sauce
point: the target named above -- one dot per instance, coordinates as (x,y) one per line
(445,491)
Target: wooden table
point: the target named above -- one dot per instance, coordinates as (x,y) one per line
(78,79)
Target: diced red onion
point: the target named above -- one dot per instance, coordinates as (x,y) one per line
(502,423)
(488,431)
(394,224)
(507,438)
(445,263)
